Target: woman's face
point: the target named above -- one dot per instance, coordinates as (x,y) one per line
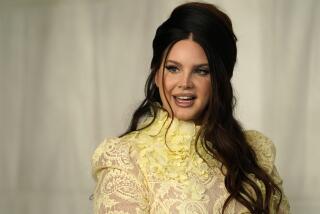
(186,81)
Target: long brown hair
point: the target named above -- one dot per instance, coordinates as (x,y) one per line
(222,135)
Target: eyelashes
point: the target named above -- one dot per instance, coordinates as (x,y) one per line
(171,68)
(202,71)
(175,69)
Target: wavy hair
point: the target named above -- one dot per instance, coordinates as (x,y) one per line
(222,135)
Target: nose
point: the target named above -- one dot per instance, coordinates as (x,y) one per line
(186,80)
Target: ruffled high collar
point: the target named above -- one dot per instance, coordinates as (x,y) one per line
(179,135)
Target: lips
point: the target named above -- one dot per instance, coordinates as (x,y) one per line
(184,100)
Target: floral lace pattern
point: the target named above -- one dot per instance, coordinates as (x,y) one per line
(157,170)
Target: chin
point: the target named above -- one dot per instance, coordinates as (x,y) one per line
(185,115)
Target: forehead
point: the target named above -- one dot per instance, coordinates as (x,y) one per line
(187,52)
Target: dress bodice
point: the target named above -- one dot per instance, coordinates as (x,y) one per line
(158,169)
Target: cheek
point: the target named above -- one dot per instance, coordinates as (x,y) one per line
(208,88)
(205,91)
(205,88)
(169,84)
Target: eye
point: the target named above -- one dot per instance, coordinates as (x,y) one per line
(172,68)
(202,71)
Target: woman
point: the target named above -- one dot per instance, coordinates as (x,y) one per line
(184,151)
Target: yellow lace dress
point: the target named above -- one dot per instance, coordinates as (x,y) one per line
(142,172)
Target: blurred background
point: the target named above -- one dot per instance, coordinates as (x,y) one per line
(72,72)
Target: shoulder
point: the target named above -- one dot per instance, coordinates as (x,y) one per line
(263,147)
(112,153)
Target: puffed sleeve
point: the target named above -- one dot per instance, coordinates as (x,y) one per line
(120,185)
(265,153)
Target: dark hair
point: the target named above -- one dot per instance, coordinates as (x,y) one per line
(212,30)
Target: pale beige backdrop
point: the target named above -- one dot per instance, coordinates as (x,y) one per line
(71,72)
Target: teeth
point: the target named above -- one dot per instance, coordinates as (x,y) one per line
(185,97)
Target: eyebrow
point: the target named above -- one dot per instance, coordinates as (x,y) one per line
(179,64)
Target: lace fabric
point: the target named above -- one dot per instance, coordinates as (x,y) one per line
(151,171)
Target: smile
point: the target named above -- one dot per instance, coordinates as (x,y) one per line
(184,101)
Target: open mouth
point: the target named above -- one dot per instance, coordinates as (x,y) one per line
(184,101)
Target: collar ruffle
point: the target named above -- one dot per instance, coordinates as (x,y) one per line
(166,152)
(180,135)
